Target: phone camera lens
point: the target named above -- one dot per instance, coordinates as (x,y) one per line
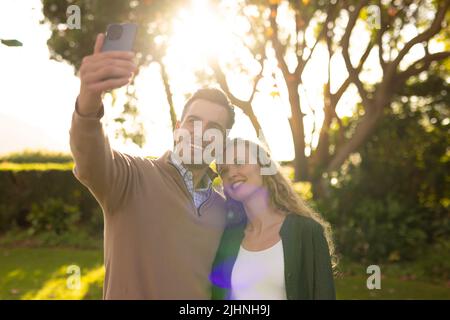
(114,32)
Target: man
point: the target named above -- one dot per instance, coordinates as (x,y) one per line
(163,220)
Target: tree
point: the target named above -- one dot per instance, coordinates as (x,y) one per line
(328,19)
(255,45)
(294,39)
(72,45)
(389,200)
(378,97)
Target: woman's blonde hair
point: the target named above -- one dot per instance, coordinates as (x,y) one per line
(282,195)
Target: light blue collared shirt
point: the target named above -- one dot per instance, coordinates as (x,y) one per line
(200,195)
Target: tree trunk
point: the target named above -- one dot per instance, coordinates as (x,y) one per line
(321,155)
(363,130)
(298,134)
(165,79)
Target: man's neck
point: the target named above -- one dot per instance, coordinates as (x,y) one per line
(198,173)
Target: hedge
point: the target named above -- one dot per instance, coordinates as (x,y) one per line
(29,185)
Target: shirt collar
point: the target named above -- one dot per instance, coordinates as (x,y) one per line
(178,163)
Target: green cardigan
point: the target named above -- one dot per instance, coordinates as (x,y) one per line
(307,264)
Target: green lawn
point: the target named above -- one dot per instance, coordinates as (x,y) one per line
(354,287)
(42,274)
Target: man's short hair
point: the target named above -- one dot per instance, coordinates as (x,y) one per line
(212,95)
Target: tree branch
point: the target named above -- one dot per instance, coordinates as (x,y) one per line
(422,65)
(379,37)
(279,48)
(256,80)
(353,74)
(434,28)
(168,91)
(301,63)
(221,79)
(299,46)
(245,106)
(338,94)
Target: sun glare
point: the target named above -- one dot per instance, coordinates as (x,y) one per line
(200,34)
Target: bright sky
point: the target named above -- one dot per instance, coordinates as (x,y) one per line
(38,94)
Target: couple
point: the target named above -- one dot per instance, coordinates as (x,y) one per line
(168,234)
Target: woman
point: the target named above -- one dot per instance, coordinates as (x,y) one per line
(274,247)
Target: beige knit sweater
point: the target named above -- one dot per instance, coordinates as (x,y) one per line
(157,245)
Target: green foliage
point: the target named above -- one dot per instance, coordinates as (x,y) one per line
(78,238)
(435,263)
(71,45)
(9,166)
(23,190)
(375,230)
(8,216)
(36,156)
(52,222)
(53,215)
(42,204)
(393,203)
(154,19)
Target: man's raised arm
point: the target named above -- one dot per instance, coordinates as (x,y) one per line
(100,168)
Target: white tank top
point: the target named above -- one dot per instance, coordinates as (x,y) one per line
(259,275)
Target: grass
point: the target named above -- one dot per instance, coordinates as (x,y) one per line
(41,273)
(354,287)
(27,273)
(398,281)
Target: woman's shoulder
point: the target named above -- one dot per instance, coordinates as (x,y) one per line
(304,223)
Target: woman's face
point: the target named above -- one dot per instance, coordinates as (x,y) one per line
(242,179)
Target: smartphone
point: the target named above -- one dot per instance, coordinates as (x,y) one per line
(120,37)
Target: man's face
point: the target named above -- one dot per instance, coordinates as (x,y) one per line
(203,116)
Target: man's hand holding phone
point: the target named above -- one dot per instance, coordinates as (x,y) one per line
(100,72)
